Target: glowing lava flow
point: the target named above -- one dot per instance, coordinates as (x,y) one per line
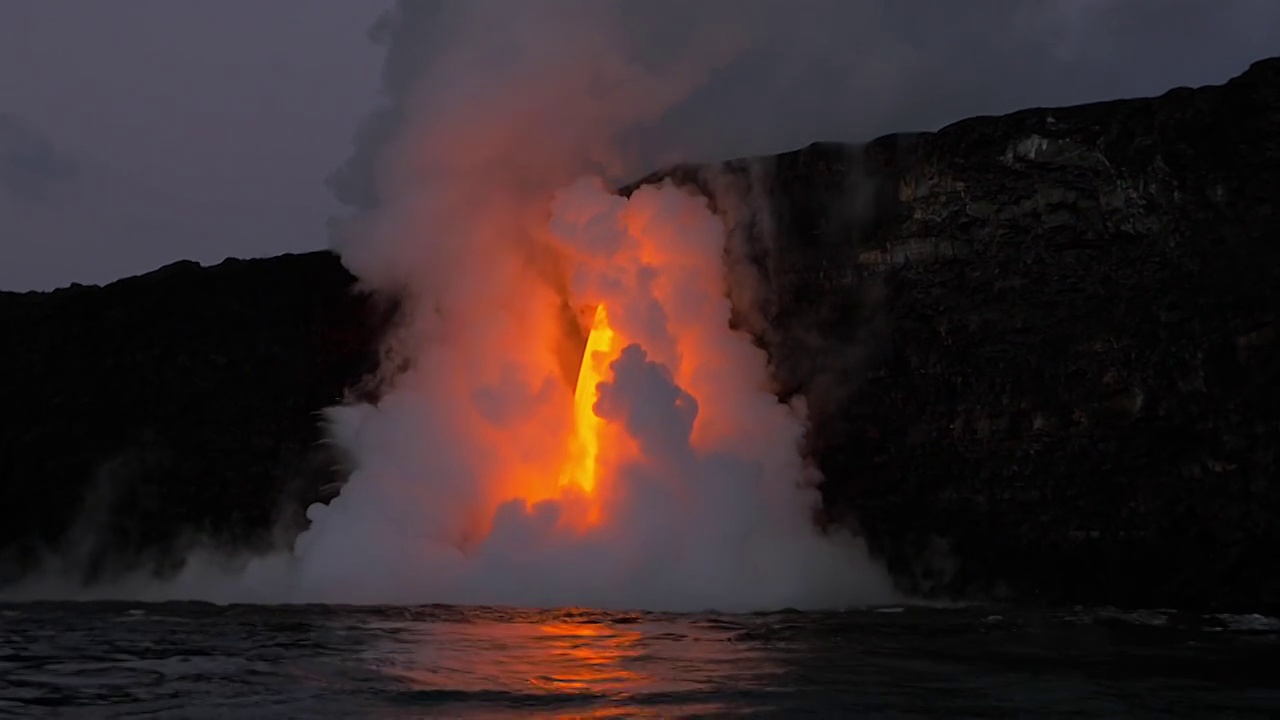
(586,424)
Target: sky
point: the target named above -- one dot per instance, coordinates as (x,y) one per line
(136,133)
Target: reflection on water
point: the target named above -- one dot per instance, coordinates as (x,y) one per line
(593,661)
(196,660)
(568,658)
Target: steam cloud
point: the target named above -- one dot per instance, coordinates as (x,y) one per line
(709,509)
(483,189)
(480,213)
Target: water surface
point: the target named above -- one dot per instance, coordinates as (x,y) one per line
(192,660)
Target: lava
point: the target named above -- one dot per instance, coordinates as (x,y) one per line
(587,425)
(513,463)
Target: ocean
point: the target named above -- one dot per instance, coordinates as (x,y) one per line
(197,660)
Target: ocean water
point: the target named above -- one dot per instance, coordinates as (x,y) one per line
(194,660)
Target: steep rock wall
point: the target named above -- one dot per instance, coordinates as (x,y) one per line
(1040,350)
(178,404)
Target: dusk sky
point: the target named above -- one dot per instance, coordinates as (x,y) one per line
(138,132)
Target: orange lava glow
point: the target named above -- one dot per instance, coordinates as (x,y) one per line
(507,386)
(587,427)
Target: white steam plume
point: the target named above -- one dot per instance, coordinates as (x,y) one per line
(713,506)
(485,216)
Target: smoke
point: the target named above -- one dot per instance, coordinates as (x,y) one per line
(488,213)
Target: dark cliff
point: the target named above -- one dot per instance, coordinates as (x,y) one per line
(175,404)
(1040,350)
(1040,353)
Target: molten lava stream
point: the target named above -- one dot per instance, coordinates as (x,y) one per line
(587,426)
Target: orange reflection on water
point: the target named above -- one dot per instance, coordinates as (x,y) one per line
(585,658)
(569,663)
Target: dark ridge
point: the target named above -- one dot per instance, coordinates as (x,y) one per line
(178,403)
(1039,350)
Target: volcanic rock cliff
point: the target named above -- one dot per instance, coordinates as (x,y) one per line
(1040,353)
(174,405)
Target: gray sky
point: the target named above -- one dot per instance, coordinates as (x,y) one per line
(138,132)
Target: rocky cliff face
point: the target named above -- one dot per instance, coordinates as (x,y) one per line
(1040,354)
(1040,350)
(177,404)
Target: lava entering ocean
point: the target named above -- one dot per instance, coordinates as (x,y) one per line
(666,475)
(578,423)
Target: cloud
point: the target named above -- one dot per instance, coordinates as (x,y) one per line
(30,164)
(795,72)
